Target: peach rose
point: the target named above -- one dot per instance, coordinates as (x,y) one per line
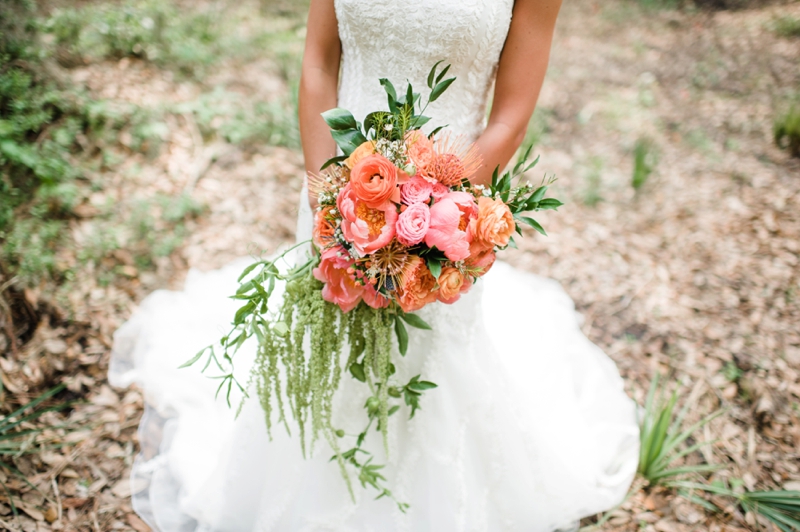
(367,228)
(418,286)
(374,180)
(340,287)
(324,229)
(420,151)
(444,232)
(416,190)
(412,224)
(452,283)
(494,224)
(365,149)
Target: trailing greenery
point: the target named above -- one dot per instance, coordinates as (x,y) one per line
(298,364)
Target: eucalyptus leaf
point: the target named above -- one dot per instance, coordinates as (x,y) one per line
(415,321)
(532,223)
(439,89)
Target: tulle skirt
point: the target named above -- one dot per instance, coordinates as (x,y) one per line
(529,429)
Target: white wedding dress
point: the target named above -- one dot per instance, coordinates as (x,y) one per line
(529,429)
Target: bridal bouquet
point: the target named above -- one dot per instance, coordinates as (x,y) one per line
(398,226)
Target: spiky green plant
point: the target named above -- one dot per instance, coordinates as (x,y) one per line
(16,441)
(780,507)
(662,437)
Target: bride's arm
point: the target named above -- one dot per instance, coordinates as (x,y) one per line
(520,74)
(319,84)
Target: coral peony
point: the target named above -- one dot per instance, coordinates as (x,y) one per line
(340,287)
(413,223)
(373,298)
(420,151)
(364,150)
(444,232)
(452,283)
(494,224)
(367,228)
(324,228)
(374,180)
(418,286)
(416,190)
(480,261)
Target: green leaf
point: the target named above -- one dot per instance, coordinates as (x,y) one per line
(435,131)
(390,92)
(532,223)
(333,160)
(439,89)
(357,370)
(339,119)
(348,140)
(194,359)
(550,204)
(420,121)
(372,119)
(246,271)
(435,267)
(442,74)
(402,336)
(538,194)
(432,73)
(415,321)
(422,385)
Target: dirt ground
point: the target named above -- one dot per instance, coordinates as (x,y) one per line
(694,275)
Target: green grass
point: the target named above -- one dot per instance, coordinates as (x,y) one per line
(787,26)
(787,130)
(644,161)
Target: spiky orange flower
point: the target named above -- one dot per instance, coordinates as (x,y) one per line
(455,160)
(327,184)
(388,263)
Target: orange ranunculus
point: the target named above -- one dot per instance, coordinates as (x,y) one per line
(324,228)
(364,150)
(418,286)
(452,283)
(420,151)
(374,180)
(494,224)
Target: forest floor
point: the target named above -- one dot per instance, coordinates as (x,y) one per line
(694,274)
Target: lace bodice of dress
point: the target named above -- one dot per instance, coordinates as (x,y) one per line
(402,40)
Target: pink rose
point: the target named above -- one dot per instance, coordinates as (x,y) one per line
(412,224)
(367,228)
(416,190)
(439,191)
(340,287)
(444,232)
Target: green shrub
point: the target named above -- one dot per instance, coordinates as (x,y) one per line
(147,29)
(787,130)
(787,26)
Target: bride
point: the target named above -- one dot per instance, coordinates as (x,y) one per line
(529,429)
